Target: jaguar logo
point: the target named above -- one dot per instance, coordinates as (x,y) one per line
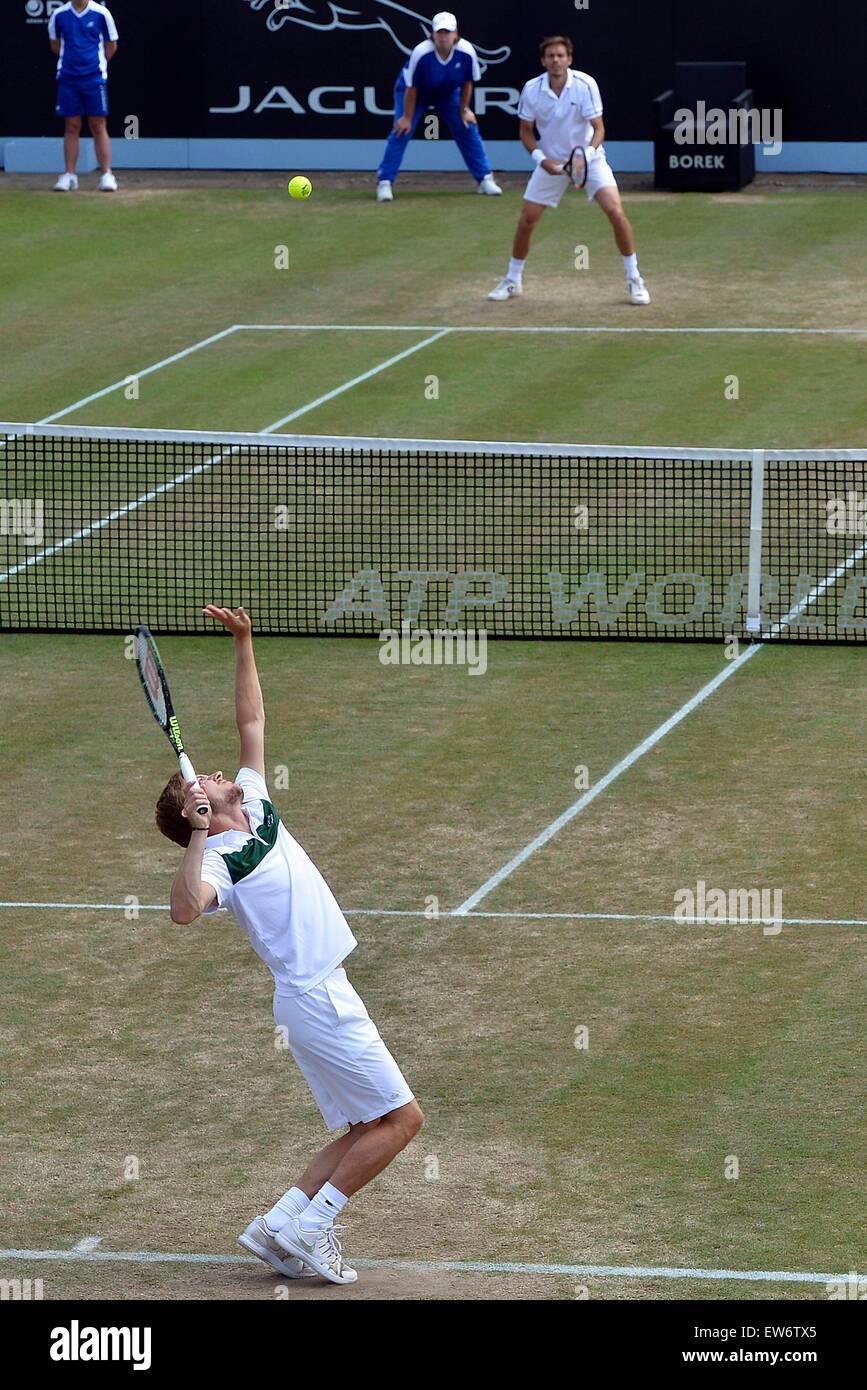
(405,27)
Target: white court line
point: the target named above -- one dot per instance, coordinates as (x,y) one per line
(356,381)
(658,734)
(146,371)
(611,776)
(776,1276)
(182,478)
(496,916)
(517,328)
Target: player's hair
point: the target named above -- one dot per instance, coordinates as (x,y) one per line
(556,38)
(168,815)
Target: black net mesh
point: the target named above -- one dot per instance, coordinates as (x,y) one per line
(98,534)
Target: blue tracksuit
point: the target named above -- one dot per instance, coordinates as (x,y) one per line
(438,85)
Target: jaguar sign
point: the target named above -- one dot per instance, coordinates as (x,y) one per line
(405,27)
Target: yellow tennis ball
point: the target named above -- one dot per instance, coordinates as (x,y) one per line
(300,187)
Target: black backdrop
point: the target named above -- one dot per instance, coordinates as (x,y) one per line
(179,58)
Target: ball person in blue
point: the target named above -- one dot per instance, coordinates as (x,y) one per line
(83,36)
(440,73)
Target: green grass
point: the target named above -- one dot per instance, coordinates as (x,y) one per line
(123,1036)
(171,265)
(129,1036)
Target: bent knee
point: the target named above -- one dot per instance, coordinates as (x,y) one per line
(407,1120)
(412,1119)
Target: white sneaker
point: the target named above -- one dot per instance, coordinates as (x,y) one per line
(507,289)
(383,192)
(488,185)
(260,1241)
(67,183)
(320,1249)
(638,291)
(108,183)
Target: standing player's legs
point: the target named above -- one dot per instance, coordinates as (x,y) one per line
(71,108)
(609,201)
(356,1082)
(71,143)
(531,214)
(97,119)
(101,142)
(397,145)
(357,1157)
(469,142)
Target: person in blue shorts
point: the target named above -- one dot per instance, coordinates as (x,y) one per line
(83,35)
(440,73)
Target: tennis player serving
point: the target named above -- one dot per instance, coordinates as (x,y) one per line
(565,107)
(239,856)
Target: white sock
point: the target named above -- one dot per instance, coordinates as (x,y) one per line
(327,1204)
(516,270)
(292,1203)
(630,264)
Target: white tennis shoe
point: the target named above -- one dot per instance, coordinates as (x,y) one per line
(489,185)
(638,291)
(67,183)
(320,1249)
(108,183)
(507,289)
(260,1242)
(383,192)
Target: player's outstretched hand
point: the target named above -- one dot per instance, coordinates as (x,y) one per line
(237,620)
(197,796)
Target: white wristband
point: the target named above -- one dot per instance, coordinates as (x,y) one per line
(539,155)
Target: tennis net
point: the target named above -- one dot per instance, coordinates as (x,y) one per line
(101,529)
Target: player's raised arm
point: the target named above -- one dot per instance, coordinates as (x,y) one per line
(249,705)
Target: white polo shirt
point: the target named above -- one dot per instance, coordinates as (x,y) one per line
(562,121)
(277,894)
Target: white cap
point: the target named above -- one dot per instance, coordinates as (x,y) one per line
(444,20)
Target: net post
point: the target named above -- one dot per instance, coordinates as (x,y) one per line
(757,501)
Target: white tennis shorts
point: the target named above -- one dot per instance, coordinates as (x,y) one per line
(337,1046)
(548,189)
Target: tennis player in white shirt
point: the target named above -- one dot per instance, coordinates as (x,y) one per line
(565,107)
(239,856)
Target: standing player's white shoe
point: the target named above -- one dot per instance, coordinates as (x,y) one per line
(489,186)
(108,183)
(383,192)
(507,289)
(320,1249)
(67,183)
(638,291)
(260,1241)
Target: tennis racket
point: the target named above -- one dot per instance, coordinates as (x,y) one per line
(156,689)
(576,167)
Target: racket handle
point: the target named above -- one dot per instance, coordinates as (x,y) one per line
(189,775)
